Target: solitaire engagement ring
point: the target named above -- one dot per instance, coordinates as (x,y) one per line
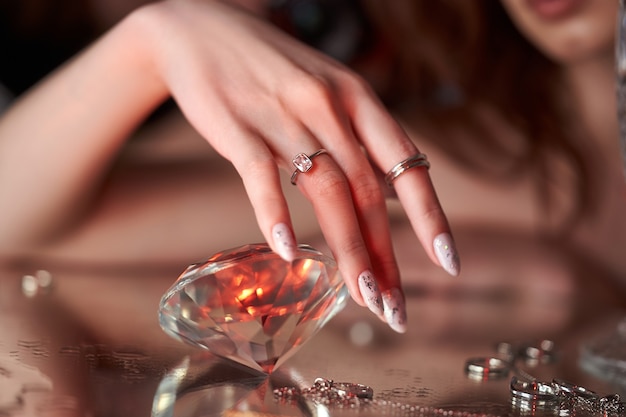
(417,160)
(304,163)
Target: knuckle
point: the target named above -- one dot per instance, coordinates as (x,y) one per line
(318,88)
(330,184)
(353,247)
(260,167)
(357,84)
(433,214)
(312,88)
(367,192)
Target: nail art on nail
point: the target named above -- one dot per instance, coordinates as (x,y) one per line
(371,294)
(395,310)
(446,253)
(284,241)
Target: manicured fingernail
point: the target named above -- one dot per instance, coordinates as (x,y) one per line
(371,294)
(395,309)
(446,253)
(284,241)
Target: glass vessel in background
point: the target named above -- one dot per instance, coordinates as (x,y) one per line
(249,305)
(605,356)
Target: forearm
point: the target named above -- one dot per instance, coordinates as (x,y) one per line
(59,139)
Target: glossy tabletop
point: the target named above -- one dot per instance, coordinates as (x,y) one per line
(89,344)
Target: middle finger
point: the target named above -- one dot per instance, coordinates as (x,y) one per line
(327,189)
(350,208)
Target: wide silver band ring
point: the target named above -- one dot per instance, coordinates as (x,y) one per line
(417,160)
(304,163)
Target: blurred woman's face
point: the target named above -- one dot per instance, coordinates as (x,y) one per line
(567,31)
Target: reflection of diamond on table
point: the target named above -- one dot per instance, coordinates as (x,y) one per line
(250,306)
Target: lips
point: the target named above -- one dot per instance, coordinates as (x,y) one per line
(553,9)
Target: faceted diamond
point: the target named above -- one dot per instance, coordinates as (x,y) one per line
(249,305)
(302,162)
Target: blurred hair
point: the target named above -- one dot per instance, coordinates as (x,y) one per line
(36,36)
(452,58)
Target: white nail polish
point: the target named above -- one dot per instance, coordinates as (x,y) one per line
(371,294)
(284,241)
(446,253)
(395,310)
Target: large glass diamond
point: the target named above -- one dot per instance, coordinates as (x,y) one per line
(249,305)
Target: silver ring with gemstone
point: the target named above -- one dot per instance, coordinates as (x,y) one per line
(304,163)
(414,161)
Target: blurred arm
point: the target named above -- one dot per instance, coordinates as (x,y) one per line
(59,139)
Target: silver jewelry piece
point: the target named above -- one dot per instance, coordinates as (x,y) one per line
(540,352)
(417,160)
(531,396)
(534,390)
(304,163)
(350,389)
(573,391)
(328,392)
(586,399)
(487,368)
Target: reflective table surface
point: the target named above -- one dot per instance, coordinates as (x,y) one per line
(84,340)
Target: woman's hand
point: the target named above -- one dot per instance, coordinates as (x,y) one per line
(259,98)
